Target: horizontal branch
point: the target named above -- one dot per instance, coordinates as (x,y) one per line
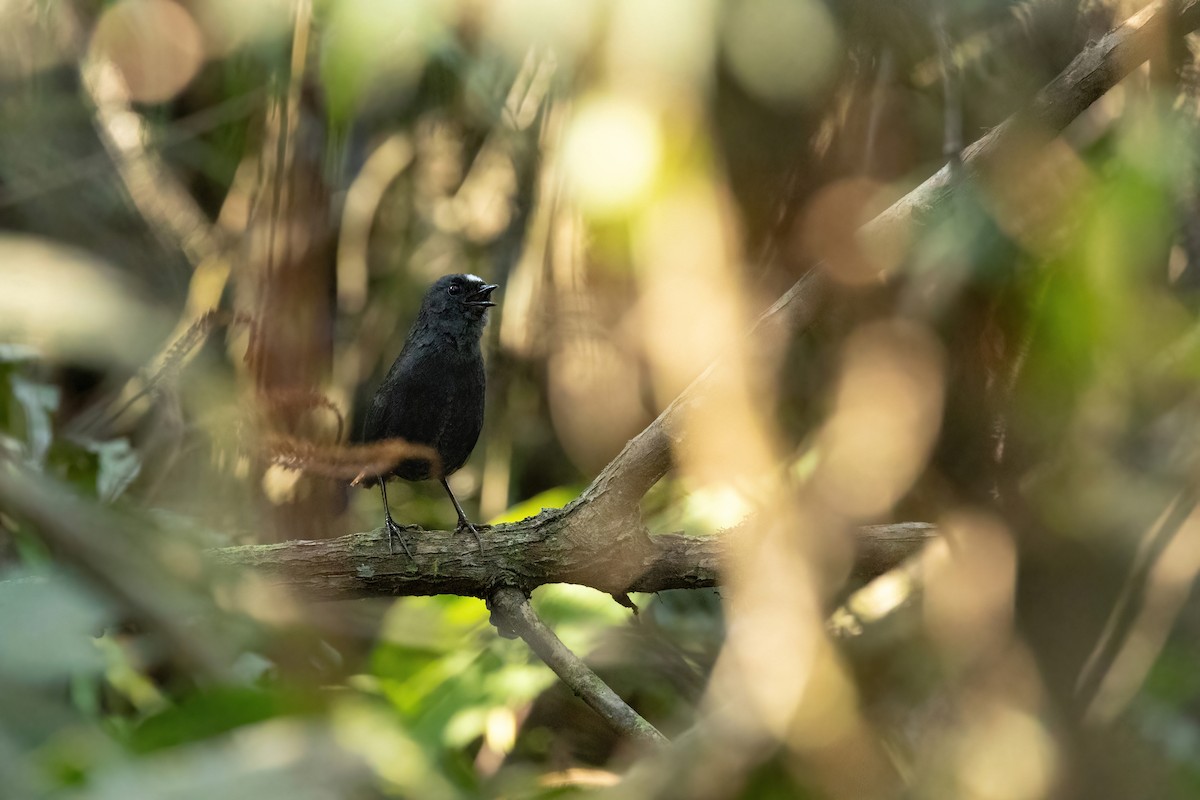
(524,555)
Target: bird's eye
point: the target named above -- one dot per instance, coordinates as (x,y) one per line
(455,289)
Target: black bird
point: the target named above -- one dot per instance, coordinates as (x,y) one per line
(433,394)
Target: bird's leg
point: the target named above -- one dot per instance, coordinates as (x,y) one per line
(463,522)
(392,528)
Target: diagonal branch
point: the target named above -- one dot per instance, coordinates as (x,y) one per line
(511,611)
(1100,67)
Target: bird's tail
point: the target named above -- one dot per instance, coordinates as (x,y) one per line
(362,464)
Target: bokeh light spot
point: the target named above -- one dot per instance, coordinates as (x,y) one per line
(888,412)
(1010,756)
(783,51)
(155,44)
(831,234)
(612,154)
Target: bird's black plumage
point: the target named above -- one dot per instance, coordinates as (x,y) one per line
(434,392)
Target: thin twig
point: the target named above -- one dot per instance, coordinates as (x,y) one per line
(952,101)
(511,611)
(885,74)
(1131,601)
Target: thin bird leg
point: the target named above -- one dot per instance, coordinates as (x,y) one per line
(463,522)
(392,528)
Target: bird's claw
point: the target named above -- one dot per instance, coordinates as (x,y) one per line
(394,531)
(464,524)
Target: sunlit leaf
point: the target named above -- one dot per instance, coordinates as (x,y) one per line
(551,498)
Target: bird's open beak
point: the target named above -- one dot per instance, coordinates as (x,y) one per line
(483,296)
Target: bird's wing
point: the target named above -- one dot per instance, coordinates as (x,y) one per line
(411,402)
(399,409)
(376,419)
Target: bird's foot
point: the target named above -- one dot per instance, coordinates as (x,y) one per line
(394,532)
(464,524)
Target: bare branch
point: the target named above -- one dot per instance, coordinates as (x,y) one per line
(511,611)
(1089,76)
(527,554)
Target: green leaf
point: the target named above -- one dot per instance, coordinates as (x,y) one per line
(213,712)
(38,402)
(48,623)
(119,465)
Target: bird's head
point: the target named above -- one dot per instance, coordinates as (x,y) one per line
(459,297)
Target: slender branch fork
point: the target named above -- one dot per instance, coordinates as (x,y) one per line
(511,612)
